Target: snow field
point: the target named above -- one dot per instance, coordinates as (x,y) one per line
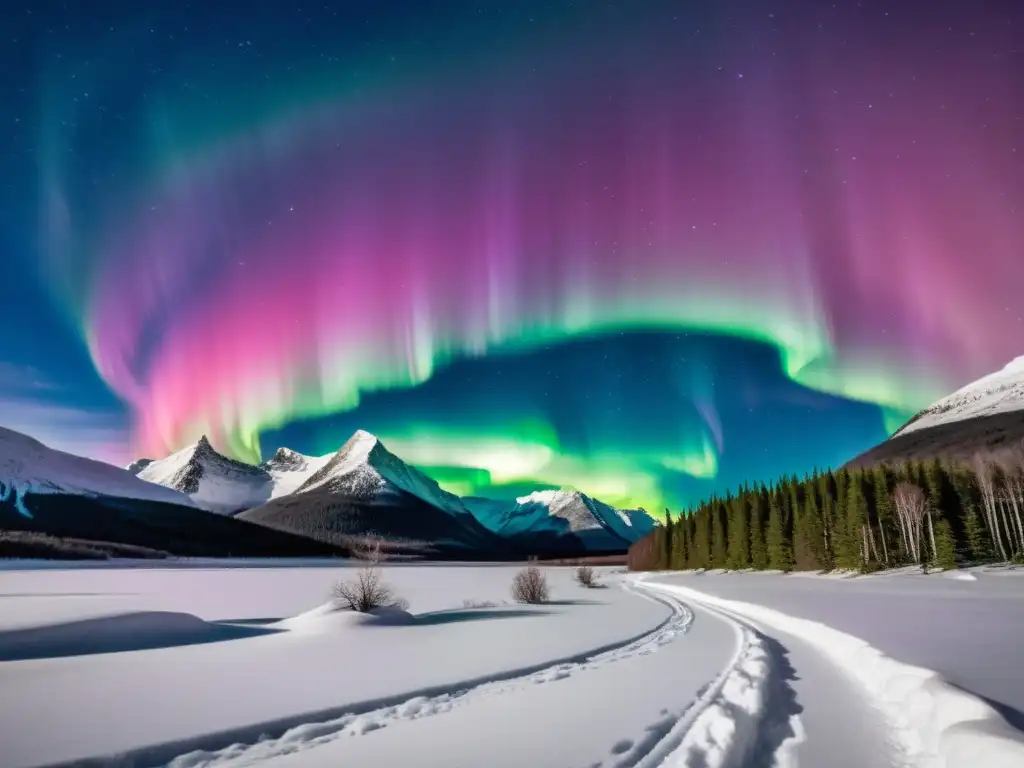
(226,674)
(308,736)
(940,726)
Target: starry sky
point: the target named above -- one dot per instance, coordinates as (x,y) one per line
(650,249)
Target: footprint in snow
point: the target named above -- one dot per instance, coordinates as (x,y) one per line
(621,746)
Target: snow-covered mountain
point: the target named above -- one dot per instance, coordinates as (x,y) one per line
(214,482)
(568,512)
(289,469)
(29,467)
(219,484)
(996,393)
(137,466)
(985,418)
(365,489)
(363,468)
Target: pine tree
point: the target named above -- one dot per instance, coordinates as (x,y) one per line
(758,548)
(807,536)
(667,552)
(719,548)
(945,546)
(677,557)
(979,543)
(739,534)
(780,552)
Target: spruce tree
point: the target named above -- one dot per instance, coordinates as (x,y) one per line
(758,548)
(667,552)
(677,557)
(807,535)
(739,534)
(780,552)
(719,548)
(945,546)
(979,543)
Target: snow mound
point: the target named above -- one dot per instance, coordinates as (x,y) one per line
(998,392)
(333,616)
(28,466)
(116,633)
(941,726)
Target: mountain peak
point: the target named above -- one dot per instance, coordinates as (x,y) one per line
(1016,365)
(547,497)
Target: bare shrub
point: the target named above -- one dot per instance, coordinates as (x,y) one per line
(468,603)
(368,590)
(585,576)
(530,586)
(369,548)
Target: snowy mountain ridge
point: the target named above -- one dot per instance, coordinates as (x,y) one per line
(364,471)
(571,511)
(289,469)
(998,392)
(214,482)
(27,466)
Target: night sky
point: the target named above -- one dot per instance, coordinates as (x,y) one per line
(647,249)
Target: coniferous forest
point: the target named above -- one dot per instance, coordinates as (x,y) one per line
(932,513)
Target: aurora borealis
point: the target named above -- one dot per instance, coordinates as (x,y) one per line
(651,250)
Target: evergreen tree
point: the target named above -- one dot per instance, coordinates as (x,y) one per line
(849,542)
(780,551)
(808,537)
(719,548)
(739,534)
(945,546)
(702,539)
(979,543)
(758,548)
(667,553)
(677,558)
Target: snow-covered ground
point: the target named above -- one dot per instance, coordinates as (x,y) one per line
(967,629)
(202,664)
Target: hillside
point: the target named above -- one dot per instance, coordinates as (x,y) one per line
(985,416)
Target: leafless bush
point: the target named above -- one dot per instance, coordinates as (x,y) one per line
(368,590)
(585,576)
(369,548)
(468,603)
(530,586)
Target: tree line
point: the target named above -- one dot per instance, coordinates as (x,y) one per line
(930,513)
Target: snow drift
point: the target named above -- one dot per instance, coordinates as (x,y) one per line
(941,726)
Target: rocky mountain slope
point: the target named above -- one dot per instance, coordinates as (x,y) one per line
(984,417)
(48,493)
(363,490)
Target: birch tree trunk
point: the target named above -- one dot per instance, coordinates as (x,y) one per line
(1006,521)
(931,533)
(1015,492)
(885,550)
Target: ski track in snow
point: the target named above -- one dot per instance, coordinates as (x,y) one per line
(938,726)
(718,730)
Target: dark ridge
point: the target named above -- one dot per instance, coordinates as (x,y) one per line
(406,523)
(955,441)
(171,528)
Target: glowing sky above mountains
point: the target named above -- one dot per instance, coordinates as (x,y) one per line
(651,250)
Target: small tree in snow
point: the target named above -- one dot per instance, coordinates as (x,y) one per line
(585,576)
(368,590)
(530,586)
